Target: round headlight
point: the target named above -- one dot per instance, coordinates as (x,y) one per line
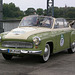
(36,40)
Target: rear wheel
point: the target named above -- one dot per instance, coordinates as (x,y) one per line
(46,55)
(7,57)
(72,49)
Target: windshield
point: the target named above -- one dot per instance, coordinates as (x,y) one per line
(37,21)
(28,21)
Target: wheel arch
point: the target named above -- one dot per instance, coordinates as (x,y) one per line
(73,36)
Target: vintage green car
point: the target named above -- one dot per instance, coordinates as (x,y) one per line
(38,35)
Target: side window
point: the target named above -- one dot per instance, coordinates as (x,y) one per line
(47,22)
(65,23)
(60,23)
(56,25)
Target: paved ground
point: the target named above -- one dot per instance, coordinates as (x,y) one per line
(59,64)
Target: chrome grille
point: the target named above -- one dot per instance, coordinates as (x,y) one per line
(17,44)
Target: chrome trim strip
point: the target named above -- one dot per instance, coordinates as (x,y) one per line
(31,52)
(22,51)
(3,51)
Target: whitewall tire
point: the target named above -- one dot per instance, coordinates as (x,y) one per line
(46,54)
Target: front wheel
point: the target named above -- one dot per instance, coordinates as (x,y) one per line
(6,56)
(46,54)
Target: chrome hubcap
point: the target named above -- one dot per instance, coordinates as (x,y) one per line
(73,46)
(46,53)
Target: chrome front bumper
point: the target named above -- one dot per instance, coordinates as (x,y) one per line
(12,51)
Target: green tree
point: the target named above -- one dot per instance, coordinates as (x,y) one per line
(39,11)
(5,10)
(70,14)
(30,11)
(11,11)
(45,12)
(56,12)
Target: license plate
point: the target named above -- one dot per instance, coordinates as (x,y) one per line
(14,51)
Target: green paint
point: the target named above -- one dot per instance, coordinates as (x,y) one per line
(53,36)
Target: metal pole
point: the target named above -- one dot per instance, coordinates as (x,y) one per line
(47,7)
(1,10)
(52,8)
(1,15)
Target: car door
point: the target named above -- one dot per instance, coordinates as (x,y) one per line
(63,35)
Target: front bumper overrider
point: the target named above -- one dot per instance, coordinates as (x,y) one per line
(13,51)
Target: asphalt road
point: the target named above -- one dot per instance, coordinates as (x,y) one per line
(59,64)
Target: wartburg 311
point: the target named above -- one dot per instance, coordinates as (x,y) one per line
(38,35)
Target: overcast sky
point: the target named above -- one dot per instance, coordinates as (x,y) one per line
(24,4)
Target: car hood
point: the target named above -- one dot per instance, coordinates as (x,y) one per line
(25,32)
